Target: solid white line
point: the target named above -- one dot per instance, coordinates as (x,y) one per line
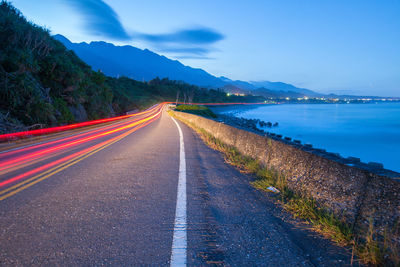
(179,241)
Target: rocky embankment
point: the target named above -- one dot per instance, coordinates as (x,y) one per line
(8,124)
(253,125)
(261,127)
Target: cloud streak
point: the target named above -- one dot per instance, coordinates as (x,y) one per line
(189,36)
(100,19)
(199,51)
(188,43)
(195,57)
(189,52)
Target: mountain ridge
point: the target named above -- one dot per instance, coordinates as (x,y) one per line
(145,65)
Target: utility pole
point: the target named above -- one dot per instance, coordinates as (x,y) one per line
(177,97)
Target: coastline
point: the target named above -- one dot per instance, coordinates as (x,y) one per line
(341,145)
(252,126)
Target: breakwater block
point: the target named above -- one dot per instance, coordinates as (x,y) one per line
(353,160)
(273,189)
(375,165)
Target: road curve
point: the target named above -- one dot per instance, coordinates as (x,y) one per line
(110,196)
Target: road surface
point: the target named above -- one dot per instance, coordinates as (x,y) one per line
(143,191)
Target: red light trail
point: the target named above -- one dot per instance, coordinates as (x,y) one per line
(14,164)
(35,155)
(12,136)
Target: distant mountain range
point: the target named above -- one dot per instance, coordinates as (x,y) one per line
(144,65)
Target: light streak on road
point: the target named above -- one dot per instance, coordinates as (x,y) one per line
(12,136)
(60,140)
(35,155)
(21,168)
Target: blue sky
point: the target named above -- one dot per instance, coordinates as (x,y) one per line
(328,46)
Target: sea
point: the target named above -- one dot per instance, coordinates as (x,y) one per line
(370,131)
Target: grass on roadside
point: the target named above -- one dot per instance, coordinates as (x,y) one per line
(197,110)
(377,250)
(300,206)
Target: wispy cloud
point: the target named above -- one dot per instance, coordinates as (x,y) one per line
(194,57)
(100,19)
(200,51)
(188,52)
(190,43)
(189,36)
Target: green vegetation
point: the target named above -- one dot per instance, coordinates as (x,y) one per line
(378,250)
(197,110)
(368,248)
(301,206)
(42,83)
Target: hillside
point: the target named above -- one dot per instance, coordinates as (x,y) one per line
(42,83)
(284,87)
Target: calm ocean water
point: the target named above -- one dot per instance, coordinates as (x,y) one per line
(367,131)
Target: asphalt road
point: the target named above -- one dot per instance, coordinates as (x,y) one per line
(112,200)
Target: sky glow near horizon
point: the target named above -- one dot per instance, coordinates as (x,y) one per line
(345,47)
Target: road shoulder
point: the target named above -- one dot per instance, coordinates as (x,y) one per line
(241,225)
